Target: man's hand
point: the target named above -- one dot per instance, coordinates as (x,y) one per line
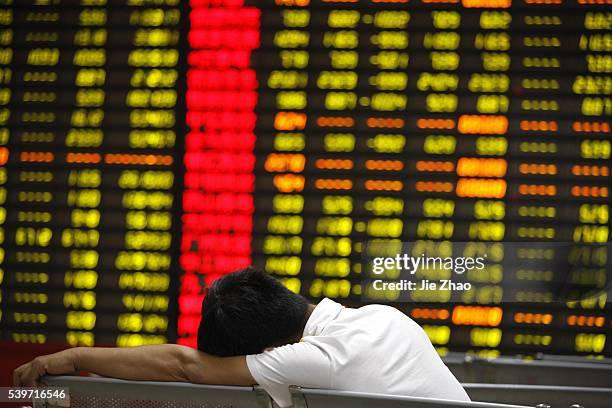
(28,374)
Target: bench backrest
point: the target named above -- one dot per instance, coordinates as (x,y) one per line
(549,371)
(97,391)
(316,398)
(553,395)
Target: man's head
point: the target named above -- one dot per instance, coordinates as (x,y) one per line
(248,311)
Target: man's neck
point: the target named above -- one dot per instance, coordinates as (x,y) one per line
(298,336)
(309,311)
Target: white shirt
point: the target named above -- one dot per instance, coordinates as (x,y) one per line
(374,348)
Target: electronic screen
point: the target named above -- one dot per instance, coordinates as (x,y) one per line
(148,147)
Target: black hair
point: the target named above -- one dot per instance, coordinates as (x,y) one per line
(247,311)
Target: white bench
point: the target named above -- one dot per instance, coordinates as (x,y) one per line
(316,398)
(550,370)
(553,395)
(88,392)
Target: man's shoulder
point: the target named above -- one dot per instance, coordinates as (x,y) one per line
(368,319)
(378,309)
(376,315)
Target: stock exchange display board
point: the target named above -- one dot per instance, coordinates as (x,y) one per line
(150,146)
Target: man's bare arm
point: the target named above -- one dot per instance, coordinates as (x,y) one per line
(164,362)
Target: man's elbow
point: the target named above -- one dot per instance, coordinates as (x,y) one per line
(191,366)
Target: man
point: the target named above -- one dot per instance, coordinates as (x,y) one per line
(256,331)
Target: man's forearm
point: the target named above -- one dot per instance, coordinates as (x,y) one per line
(163,362)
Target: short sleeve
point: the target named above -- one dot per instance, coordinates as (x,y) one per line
(302,364)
